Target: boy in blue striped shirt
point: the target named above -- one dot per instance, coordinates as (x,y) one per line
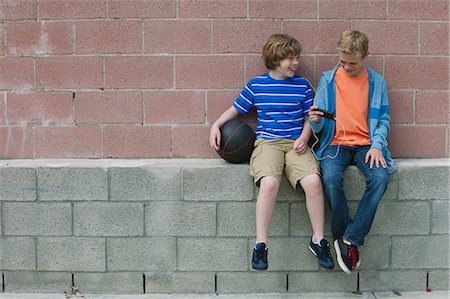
(282,100)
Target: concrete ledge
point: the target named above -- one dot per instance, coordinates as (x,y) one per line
(188,225)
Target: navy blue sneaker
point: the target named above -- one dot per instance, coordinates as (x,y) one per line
(323,254)
(259,258)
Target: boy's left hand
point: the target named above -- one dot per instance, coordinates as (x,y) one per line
(375,156)
(300,146)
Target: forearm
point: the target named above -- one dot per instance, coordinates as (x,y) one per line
(229,114)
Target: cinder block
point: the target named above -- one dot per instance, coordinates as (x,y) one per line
(422,182)
(17,184)
(141,254)
(300,224)
(108,219)
(402,218)
(399,280)
(238,219)
(440,214)
(422,252)
(72,184)
(322,281)
(212,254)
(180,219)
(231,183)
(145,184)
(71,254)
(439,279)
(37,219)
(374,254)
(17,253)
(355,184)
(110,282)
(38,282)
(251,282)
(288,254)
(179,282)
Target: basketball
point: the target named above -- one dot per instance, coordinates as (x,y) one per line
(236,143)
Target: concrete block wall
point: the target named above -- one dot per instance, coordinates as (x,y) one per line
(187,226)
(147,78)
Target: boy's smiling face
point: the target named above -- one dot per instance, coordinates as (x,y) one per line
(286,69)
(352,64)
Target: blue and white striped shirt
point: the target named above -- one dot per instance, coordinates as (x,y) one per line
(281,105)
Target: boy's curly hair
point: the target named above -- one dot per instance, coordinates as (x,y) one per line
(279,47)
(353,42)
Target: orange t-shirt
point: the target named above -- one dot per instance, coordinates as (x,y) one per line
(352,108)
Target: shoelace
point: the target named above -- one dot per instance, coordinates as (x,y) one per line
(260,253)
(325,251)
(353,255)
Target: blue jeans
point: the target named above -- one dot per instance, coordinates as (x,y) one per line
(342,225)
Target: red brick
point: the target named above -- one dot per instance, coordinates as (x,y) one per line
(212,9)
(254,66)
(40,108)
(292,9)
(108,107)
(242,36)
(174,107)
(209,72)
(434,38)
(39,38)
(137,142)
(2,39)
(2,108)
(71,9)
(142,9)
(418,10)
(68,142)
(16,73)
(401,105)
(111,36)
(139,72)
(69,72)
(432,107)
(192,142)
(418,141)
(177,36)
(390,37)
(16,142)
(352,9)
(218,102)
(17,10)
(316,36)
(416,72)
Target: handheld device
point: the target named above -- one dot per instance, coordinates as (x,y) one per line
(326,114)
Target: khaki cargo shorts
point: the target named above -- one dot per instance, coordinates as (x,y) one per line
(271,157)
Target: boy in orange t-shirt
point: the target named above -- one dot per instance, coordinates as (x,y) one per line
(357,96)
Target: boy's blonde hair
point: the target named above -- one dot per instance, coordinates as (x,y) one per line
(279,47)
(354,42)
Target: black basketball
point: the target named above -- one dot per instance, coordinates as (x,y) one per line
(236,143)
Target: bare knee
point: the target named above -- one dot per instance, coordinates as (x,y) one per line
(269,184)
(311,183)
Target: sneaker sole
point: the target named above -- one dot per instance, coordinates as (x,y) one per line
(339,258)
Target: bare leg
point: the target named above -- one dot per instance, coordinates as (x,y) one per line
(315,204)
(265,205)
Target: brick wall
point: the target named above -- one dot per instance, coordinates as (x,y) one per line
(145,79)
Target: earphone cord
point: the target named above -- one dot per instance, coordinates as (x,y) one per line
(338,146)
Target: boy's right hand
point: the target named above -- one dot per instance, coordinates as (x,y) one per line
(314,114)
(214,137)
